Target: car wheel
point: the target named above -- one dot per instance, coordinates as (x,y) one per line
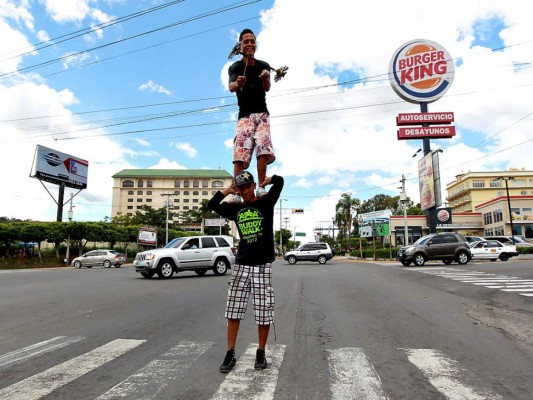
(148,274)
(322,259)
(462,257)
(77,264)
(107,264)
(447,261)
(89,266)
(221,267)
(292,260)
(406,263)
(200,272)
(165,269)
(419,259)
(117,265)
(504,257)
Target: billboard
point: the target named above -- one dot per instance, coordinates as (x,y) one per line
(378,220)
(425,182)
(59,168)
(147,236)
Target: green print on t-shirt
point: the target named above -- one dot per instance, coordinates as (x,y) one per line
(249,224)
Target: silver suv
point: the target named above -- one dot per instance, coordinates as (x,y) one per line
(320,252)
(447,247)
(190,253)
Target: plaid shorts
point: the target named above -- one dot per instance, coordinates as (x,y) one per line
(253,133)
(257,280)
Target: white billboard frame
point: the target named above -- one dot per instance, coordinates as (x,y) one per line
(59,168)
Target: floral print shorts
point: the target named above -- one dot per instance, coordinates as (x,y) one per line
(253,133)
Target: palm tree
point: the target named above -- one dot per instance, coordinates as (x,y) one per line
(344,213)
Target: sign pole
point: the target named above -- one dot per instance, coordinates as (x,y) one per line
(60,199)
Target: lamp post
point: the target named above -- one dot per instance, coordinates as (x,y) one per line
(507,179)
(70,216)
(280,224)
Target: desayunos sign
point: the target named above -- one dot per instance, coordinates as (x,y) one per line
(421,71)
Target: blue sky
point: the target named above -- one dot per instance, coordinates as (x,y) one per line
(150,92)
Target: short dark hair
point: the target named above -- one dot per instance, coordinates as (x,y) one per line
(244,32)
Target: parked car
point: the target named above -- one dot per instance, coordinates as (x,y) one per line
(190,253)
(492,250)
(518,241)
(102,258)
(320,252)
(447,247)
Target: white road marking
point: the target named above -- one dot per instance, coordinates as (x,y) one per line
(37,349)
(526,294)
(150,380)
(353,376)
(243,382)
(518,290)
(444,373)
(46,382)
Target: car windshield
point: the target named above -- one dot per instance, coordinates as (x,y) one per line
(175,243)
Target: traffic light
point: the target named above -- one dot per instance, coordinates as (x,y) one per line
(297,210)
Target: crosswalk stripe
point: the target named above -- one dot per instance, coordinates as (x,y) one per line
(518,290)
(526,294)
(353,376)
(443,373)
(46,382)
(243,382)
(150,380)
(37,349)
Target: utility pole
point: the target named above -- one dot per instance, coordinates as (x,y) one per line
(403,200)
(167,201)
(70,215)
(280,225)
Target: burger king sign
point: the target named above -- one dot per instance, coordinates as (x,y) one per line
(421,71)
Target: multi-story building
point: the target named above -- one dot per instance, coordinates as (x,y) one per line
(185,188)
(486,193)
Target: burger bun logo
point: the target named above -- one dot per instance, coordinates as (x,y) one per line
(443,215)
(421,71)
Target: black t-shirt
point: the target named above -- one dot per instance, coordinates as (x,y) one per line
(255,223)
(252,97)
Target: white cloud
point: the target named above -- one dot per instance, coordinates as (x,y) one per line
(187,149)
(154,87)
(67,11)
(165,163)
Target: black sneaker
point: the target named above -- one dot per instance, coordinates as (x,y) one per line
(229,362)
(260,360)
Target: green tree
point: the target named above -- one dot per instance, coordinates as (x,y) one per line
(286,236)
(34,232)
(57,234)
(8,233)
(344,213)
(151,216)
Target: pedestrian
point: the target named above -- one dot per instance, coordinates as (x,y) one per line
(249,79)
(252,272)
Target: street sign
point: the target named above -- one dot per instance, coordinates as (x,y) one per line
(300,234)
(424,118)
(426,132)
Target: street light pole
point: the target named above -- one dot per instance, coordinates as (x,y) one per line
(280,225)
(507,179)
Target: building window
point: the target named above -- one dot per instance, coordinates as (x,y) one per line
(129,214)
(516,213)
(499,231)
(130,200)
(148,192)
(489,232)
(518,182)
(195,207)
(139,192)
(498,216)
(139,207)
(478,184)
(177,192)
(523,193)
(196,183)
(149,183)
(205,183)
(139,200)
(127,183)
(186,183)
(495,184)
(195,200)
(176,200)
(130,192)
(186,193)
(205,193)
(217,184)
(177,183)
(195,193)
(148,200)
(185,200)
(130,207)
(176,207)
(185,207)
(487,218)
(140,183)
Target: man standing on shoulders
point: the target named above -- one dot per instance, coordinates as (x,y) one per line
(249,79)
(252,273)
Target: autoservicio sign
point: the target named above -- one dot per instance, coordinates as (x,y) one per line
(421,71)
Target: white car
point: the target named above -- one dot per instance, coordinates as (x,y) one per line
(492,250)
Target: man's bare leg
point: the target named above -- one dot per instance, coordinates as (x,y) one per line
(233,330)
(261,169)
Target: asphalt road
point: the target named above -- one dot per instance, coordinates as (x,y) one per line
(344,330)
